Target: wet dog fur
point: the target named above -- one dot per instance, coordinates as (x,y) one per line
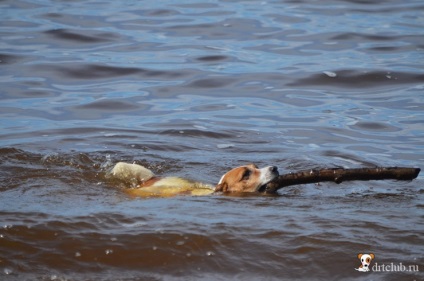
(247,178)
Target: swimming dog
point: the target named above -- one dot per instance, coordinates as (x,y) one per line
(247,178)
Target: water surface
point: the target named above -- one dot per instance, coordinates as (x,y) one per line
(193,88)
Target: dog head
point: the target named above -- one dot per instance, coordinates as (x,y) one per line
(366,259)
(247,178)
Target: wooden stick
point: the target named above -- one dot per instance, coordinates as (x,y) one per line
(339,175)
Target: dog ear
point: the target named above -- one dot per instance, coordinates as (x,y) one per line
(372,256)
(222,187)
(360,255)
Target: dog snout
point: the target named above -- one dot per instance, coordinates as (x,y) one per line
(273,169)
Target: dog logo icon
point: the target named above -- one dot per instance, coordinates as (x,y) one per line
(365,262)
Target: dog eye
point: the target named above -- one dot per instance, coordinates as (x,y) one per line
(246,175)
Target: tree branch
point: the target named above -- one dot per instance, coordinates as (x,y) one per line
(339,175)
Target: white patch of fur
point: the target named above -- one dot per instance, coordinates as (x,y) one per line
(222,178)
(125,171)
(266,175)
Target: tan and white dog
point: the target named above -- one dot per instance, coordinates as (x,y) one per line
(248,178)
(365,262)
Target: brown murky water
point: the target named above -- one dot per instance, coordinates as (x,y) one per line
(192,88)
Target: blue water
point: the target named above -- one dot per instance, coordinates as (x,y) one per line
(193,88)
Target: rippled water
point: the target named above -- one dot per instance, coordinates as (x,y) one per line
(192,88)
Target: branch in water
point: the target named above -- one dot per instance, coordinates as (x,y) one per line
(339,175)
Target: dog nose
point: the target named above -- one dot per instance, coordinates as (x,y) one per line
(273,169)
